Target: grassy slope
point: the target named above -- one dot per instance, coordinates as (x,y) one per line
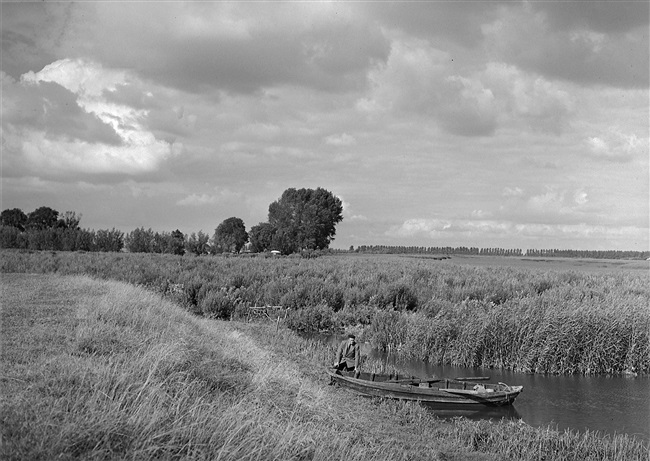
(101,370)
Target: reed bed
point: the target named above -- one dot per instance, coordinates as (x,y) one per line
(561,322)
(105,370)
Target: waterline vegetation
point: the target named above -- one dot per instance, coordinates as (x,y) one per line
(563,322)
(103,370)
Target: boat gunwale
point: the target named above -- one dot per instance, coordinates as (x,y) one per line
(409,389)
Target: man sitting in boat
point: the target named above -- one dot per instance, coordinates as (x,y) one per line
(347,356)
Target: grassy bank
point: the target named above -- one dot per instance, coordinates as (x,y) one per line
(545,321)
(105,370)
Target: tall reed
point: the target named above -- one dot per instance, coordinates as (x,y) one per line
(509,317)
(104,370)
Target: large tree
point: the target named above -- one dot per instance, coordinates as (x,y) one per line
(261,237)
(305,219)
(198,243)
(230,235)
(69,220)
(140,240)
(42,218)
(14,218)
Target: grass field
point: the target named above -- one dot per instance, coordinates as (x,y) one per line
(104,370)
(541,315)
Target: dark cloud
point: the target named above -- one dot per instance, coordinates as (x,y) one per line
(459,22)
(574,47)
(331,55)
(579,60)
(612,16)
(50,108)
(30,34)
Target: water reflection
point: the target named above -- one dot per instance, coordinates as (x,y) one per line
(607,405)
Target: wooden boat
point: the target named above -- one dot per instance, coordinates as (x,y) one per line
(439,391)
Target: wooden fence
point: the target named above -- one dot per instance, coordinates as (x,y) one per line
(273,313)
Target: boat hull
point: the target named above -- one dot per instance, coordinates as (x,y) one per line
(439,392)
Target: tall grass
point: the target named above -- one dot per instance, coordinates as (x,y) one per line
(537,321)
(125,374)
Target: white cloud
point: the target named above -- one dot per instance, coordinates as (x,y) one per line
(581,42)
(542,104)
(480,214)
(340,140)
(136,151)
(217,195)
(348,213)
(197,200)
(463,123)
(509,232)
(616,146)
(580,197)
(512,192)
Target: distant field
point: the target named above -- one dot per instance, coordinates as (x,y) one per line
(544,264)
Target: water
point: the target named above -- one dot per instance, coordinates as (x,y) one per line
(608,405)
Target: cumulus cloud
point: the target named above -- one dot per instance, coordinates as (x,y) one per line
(418,79)
(217,195)
(573,41)
(422,81)
(348,213)
(236,47)
(508,231)
(616,146)
(486,115)
(197,200)
(513,192)
(542,104)
(548,204)
(459,22)
(59,118)
(604,17)
(340,140)
(50,107)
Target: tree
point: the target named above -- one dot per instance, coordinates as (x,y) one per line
(198,243)
(230,235)
(69,220)
(14,218)
(177,243)
(9,237)
(42,218)
(140,240)
(305,219)
(108,240)
(261,237)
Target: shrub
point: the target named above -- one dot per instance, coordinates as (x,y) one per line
(316,318)
(400,297)
(220,304)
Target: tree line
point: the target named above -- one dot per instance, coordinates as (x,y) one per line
(596,254)
(300,220)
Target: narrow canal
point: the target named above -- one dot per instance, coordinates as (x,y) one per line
(607,405)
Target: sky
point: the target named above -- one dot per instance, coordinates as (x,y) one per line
(511,124)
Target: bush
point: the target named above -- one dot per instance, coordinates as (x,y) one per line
(317,318)
(220,304)
(387,330)
(400,297)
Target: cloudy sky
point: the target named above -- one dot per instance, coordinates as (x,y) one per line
(492,124)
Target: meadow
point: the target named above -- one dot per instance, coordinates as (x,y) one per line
(531,315)
(96,369)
